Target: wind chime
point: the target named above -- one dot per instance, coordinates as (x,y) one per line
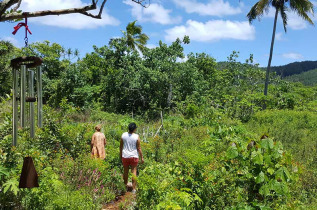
(24,70)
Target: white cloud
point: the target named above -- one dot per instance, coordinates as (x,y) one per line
(212,31)
(151,46)
(213,8)
(14,41)
(294,21)
(293,56)
(279,36)
(182,60)
(74,21)
(155,13)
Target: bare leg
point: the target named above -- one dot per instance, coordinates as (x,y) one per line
(133,170)
(125,174)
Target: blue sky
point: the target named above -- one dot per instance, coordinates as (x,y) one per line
(216,27)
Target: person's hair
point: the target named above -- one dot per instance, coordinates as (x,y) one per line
(132,127)
(98,127)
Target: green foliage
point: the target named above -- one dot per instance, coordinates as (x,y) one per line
(229,176)
(54,194)
(295,68)
(11,185)
(7,51)
(205,156)
(296,129)
(122,80)
(193,163)
(307,78)
(60,152)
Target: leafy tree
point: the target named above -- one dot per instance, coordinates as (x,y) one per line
(56,61)
(301,7)
(7,52)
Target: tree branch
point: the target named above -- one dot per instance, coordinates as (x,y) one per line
(100,11)
(17,6)
(141,2)
(80,10)
(6,4)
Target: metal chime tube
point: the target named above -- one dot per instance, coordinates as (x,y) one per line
(31,94)
(39,98)
(15,107)
(22,95)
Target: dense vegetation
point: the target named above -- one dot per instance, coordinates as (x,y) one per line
(307,78)
(208,155)
(294,68)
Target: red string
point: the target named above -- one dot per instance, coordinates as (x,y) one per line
(25,24)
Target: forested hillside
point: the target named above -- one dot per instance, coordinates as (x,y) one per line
(307,78)
(294,68)
(214,147)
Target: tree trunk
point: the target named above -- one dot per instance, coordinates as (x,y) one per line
(271,54)
(170,95)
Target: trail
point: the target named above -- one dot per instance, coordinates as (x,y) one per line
(125,201)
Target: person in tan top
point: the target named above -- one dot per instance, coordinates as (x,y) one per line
(98,143)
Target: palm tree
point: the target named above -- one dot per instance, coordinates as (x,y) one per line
(134,36)
(300,7)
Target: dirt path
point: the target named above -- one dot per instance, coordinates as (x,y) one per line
(126,201)
(122,202)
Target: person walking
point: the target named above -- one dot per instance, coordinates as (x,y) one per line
(98,143)
(130,151)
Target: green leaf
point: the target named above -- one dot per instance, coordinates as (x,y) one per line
(260,178)
(265,190)
(279,187)
(11,185)
(257,157)
(267,159)
(277,152)
(270,171)
(3,171)
(267,144)
(232,152)
(287,174)
(283,174)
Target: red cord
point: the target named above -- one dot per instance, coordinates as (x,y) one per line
(17,27)
(25,24)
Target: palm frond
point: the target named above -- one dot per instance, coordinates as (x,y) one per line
(130,27)
(252,13)
(134,36)
(283,10)
(262,6)
(302,8)
(258,9)
(143,38)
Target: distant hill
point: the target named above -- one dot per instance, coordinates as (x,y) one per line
(307,78)
(294,68)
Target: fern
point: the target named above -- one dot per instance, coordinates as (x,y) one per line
(11,185)
(3,172)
